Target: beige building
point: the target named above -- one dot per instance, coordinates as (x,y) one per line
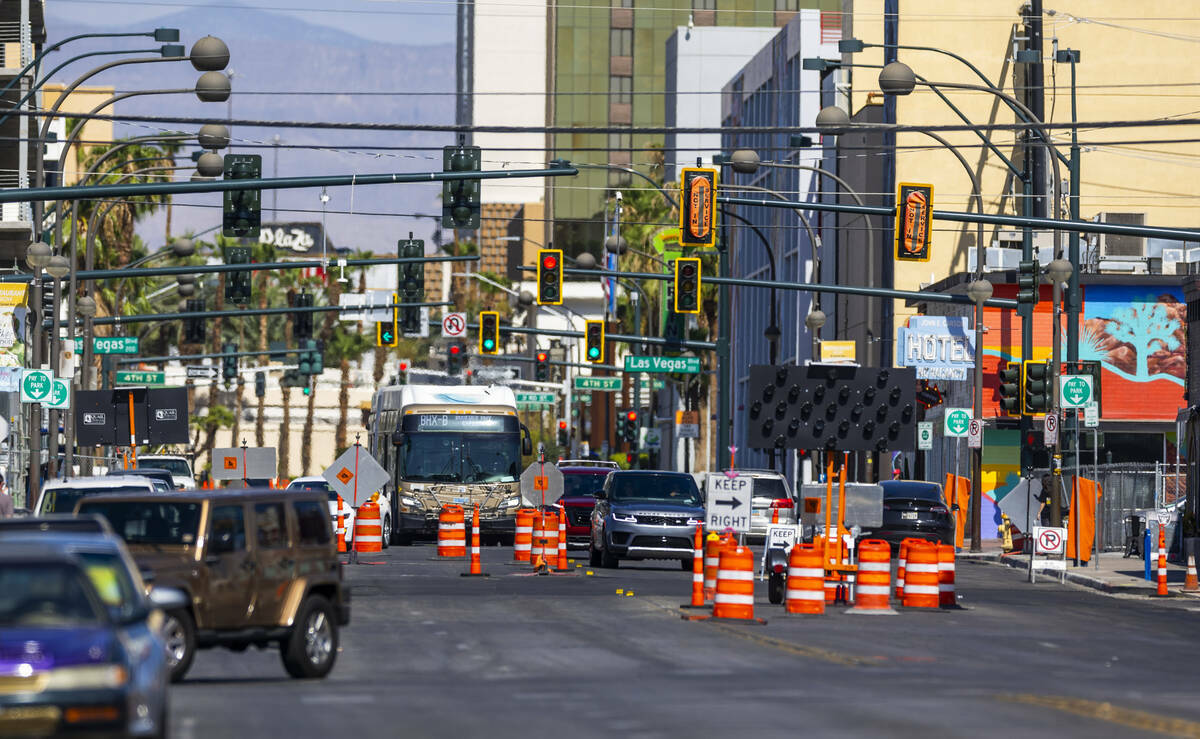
(95,131)
(1138,62)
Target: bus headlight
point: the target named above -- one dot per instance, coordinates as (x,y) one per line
(511,502)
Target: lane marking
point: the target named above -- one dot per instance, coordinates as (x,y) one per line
(1106,711)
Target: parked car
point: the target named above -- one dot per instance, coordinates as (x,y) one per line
(580,483)
(913,508)
(179,466)
(320,484)
(80,648)
(161,479)
(645,515)
(257,567)
(60,496)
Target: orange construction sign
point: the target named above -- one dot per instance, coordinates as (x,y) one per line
(541,482)
(231,463)
(345,475)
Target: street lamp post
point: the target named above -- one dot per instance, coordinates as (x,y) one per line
(1059,271)
(58,267)
(37,256)
(979,291)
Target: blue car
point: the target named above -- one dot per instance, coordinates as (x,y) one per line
(81,652)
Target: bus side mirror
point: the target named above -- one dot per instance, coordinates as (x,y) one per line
(526,442)
(397,437)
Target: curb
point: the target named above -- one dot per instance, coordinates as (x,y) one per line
(1072,577)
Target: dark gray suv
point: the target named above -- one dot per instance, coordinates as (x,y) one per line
(643,514)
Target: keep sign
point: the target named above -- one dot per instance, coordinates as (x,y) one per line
(728,502)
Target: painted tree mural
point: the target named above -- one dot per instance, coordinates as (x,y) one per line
(1147,327)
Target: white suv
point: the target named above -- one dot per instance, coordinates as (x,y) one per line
(316,482)
(179,467)
(60,496)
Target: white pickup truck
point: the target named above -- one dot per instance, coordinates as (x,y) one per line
(179,467)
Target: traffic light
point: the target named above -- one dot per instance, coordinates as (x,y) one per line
(229,364)
(687,285)
(311,359)
(385,333)
(673,323)
(593,335)
(194,329)
(1029,277)
(1035,398)
(243,208)
(562,434)
(411,283)
(402,374)
(541,367)
(1010,389)
(629,426)
(48,289)
(237,284)
(260,384)
(549,277)
(1033,452)
(489,332)
(302,323)
(460,198)
(292,378)
(454,356)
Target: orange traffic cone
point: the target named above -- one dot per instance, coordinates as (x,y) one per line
(476,567)
(341,525)
(698,568)
(1191,584)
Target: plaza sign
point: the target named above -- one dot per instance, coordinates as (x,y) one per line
(939,347)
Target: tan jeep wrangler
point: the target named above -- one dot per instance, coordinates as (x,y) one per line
(260,567)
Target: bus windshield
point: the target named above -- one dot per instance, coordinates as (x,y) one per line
(460,457)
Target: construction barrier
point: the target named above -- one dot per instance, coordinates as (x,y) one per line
(523,539)
(735,584)
(712,561)
(368,529)
(698,567)
(476,566)
(805,581)
(901,562)
(340,528)
(1162,560)
(874,576)
(562,540)
(545,539)
(946,595)
(452,532)
(921,576)
(1191,584)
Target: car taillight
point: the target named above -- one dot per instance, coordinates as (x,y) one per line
(778,569)
(887,507)
(783,503)
(941,510)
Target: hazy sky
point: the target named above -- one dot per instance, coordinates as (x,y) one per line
(394,21)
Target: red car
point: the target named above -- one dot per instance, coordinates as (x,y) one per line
(581,480)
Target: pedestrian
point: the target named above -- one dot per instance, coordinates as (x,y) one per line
(1050,486)
(6,500)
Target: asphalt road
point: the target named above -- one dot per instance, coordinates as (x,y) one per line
(433,654)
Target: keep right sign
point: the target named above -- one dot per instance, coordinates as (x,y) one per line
(728,504)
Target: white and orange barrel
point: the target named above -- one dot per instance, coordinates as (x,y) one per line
(452,532)
(874,576)
(921,576)
(735,584)
(947,598)
(368,529)
(523,538)
(805,581)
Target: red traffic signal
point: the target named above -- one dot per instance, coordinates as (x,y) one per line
(631,415)
(549,261)
(455,349)
(404,366)
(562,425)
(542,356)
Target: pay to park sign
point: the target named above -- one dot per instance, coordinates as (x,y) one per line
(957,422)
(36,385)
(1076,391)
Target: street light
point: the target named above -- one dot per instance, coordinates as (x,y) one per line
(58,267)
(210,164)
(832,120)
(213,136)
(616,244)
(38,255)
(815,320)
(85,307)
(897,78)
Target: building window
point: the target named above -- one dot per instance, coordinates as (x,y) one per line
(621,40)
(790,6)
(626,3)
(706,4)
(620,89)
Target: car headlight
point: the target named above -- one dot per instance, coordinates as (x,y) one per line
(405,500)
(511,503)
(630,518)
(86,677)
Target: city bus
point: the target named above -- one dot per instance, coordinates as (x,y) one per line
(450,444)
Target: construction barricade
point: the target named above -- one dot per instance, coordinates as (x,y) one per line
(712,561)
(947,598)
(562,540)
(921,576)
(523,538)
(805,581)
(452,532)
(476,567)
(698,568)
(1190,583)
(368,529)
(874,584)
(735,584)
(339,528)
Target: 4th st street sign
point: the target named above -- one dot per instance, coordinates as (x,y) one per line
(1075,391)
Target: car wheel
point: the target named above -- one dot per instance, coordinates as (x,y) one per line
(179,638)
(775,588)
(608,560)
(310,650)
(387,532)
(593,555)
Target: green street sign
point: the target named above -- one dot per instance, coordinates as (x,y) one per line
(956,422)
(604,384)
(583,398)
(536,398)
(142,378)
(36,385)
(657,384)
(60,394)
(114,345)
(534,407)
(689,365)
(78,345)
(1075,391)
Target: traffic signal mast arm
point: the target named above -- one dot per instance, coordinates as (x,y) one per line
(183,316)
(621,338)
(35,194)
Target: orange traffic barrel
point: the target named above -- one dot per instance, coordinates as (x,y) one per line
(921,576)
(712,561)
(805,581)
(901,566)
(946,595)
(549,541)
(874,577)
(523,539)
(452,532)
(735,584)
(698,567)
(368,529)
(1191,583)
(562,540)
(476,567)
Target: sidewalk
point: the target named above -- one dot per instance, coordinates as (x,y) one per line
(1115,574)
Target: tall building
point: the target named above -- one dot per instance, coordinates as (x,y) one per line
(22,33)
(608,69)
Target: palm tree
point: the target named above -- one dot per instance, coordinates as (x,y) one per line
(333,289)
